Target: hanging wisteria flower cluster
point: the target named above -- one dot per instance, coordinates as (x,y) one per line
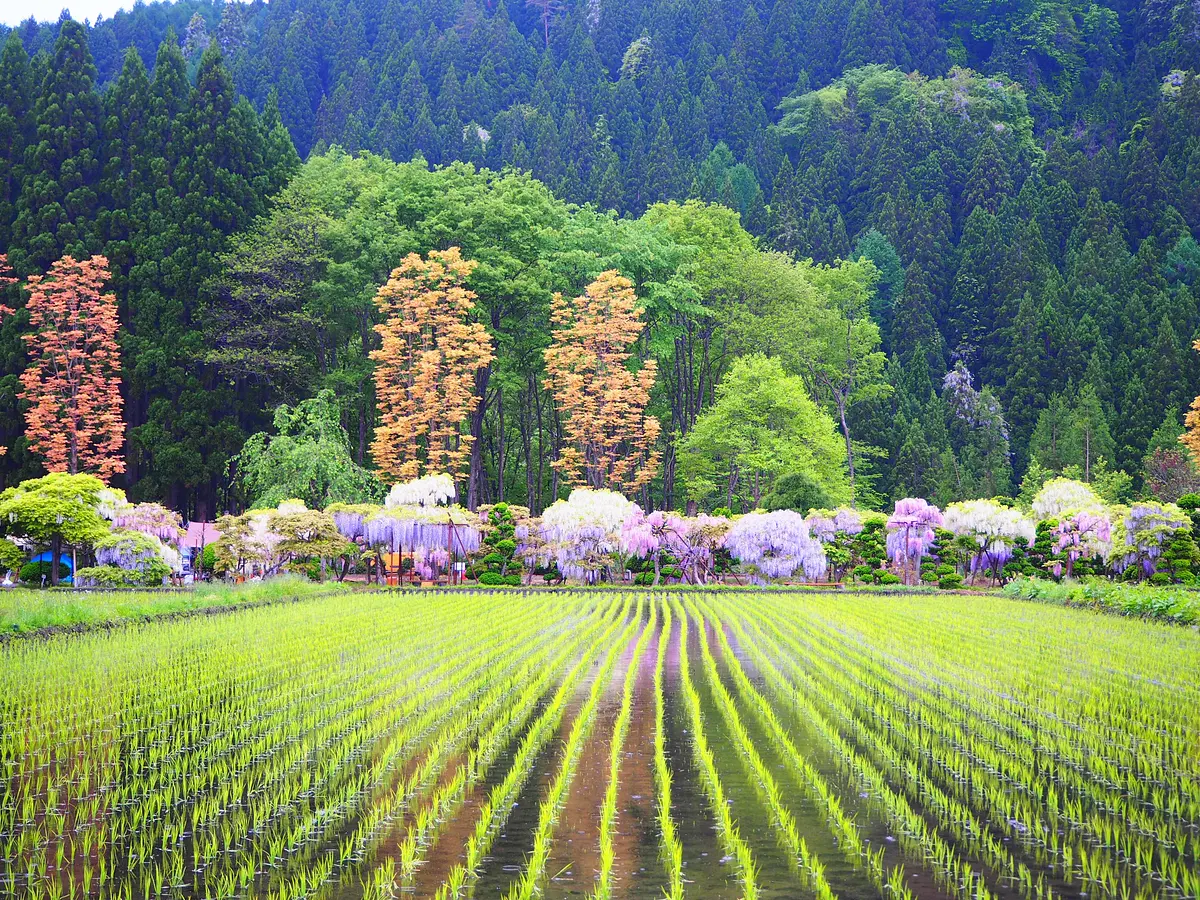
(1064,495)
(824,524)
(134,551)
(151,518)
(583,532)
(1085,533)
(777,545)
(429,490)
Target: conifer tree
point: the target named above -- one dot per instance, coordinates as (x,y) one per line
(57,206)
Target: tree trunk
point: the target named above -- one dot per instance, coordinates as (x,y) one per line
(55,552)
(476,473)
(841,406)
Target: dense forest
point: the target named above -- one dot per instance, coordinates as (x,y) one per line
(955,240)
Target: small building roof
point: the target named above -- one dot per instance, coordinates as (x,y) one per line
(200,534)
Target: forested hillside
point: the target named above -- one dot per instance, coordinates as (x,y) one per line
(1023,176)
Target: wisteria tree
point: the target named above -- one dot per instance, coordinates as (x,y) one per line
(582,534)
(152,519)
(132,558)
(910,535)
(994,530)
(836,529)
(776,545)
(1081,534)
(1063,495)
(1141,532)
(647,534)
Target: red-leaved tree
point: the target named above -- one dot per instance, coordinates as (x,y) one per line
(6,280)
(73,382)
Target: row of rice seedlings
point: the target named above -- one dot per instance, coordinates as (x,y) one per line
(1121,758)
(608,809)
(126,799)
(490,712)
(303,845)
(916,836)
(957,819)
(495,810)
(804,774)
(217,821)
(551,804)
(710,781)
(482,755)
(975,774)
(811,869)
(1093,847)
(670,848)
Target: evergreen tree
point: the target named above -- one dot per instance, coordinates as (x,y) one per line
(59,196)
(989,182)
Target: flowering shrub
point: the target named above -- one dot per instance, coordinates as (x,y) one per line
(777,545)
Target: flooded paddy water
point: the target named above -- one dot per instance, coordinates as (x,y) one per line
(464,745)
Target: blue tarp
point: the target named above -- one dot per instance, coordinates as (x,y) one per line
(64,563)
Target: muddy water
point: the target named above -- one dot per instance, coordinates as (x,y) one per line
(705,871)
(574,863)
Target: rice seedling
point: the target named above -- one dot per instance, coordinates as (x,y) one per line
(608,814)
(669,845)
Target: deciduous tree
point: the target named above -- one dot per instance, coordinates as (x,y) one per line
(73,382)
(608,441)
(425,370)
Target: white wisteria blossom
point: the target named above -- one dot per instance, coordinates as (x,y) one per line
(995,529)
(429,490)
(1064,495)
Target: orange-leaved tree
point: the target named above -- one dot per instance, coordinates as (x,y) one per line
(1191,434)
(73,382)
(425,368)
(608,440)
(6,281)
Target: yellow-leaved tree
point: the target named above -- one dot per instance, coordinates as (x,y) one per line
(608,441)
(425,368)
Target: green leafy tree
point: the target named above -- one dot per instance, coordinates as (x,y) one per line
(763,426)
(55,510)
(308,457)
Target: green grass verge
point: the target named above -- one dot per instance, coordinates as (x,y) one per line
(1167,604)
(23,610)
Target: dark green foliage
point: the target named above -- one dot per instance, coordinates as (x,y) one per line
(797,491)
(499,564)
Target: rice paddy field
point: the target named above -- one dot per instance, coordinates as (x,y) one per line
(684,744)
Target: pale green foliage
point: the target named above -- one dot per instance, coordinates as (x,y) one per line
(55,506)
(308,458)
(763,426)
